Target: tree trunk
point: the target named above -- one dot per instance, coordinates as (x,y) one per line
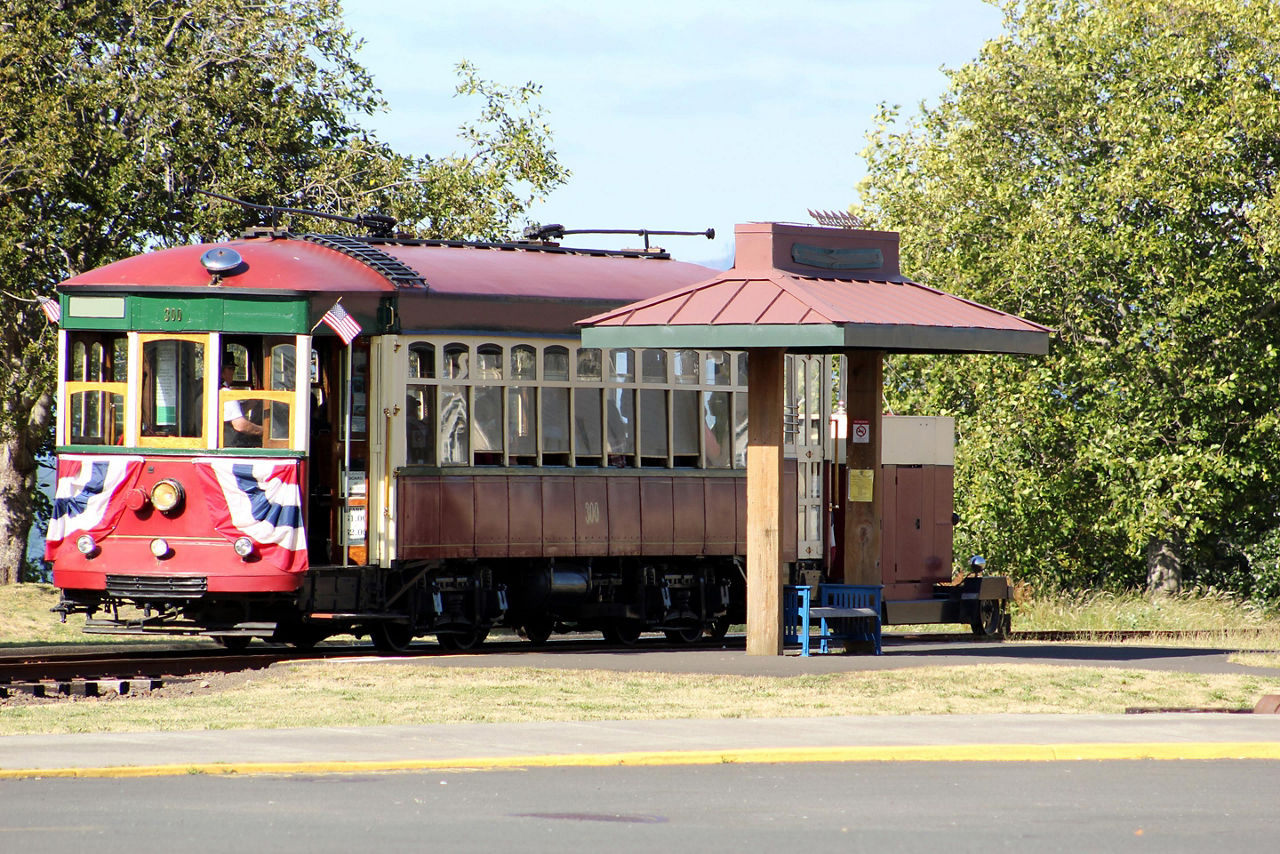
(1164,567)
(17,507)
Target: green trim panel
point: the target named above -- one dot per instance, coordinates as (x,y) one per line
(155,313)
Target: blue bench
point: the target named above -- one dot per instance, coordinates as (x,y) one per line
(843,612)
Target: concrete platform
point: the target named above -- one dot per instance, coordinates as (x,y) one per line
(666,742)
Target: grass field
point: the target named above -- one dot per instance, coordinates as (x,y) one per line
(320,693)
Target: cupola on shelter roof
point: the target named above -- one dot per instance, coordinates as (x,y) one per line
(809,288)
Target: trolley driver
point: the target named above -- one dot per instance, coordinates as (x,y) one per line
(243,433)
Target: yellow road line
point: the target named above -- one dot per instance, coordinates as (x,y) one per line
(762,755)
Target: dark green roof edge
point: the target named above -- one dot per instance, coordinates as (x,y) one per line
(801,337)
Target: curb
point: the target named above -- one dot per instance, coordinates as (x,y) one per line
(904,753)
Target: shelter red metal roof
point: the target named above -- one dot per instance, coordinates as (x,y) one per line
(808,288)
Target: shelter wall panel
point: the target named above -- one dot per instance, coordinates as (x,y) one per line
(591,515)
(490,515)
(908,590)
(418,518)
(912,521)
(888,526)
(689,509)
(559,535)
(942,556)
(657,507)
(525,521)
(624,515)
(457,517)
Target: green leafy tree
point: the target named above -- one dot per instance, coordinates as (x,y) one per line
(110,108)
(1107,168)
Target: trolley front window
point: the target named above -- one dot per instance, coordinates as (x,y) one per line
(173,373)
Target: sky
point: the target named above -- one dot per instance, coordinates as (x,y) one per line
(674,115)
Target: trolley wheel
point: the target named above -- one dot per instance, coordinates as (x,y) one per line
(234,643)
(685,634)
(720,627)
(992,618)
(539,631)
(463,640)
(625,632)
(390,637)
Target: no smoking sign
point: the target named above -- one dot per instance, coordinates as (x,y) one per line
(860,432)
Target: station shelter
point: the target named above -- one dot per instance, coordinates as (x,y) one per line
(804,289)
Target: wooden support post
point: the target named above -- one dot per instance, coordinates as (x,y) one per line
(764,502)
(862,451)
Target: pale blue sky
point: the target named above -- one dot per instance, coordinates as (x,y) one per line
(675,115)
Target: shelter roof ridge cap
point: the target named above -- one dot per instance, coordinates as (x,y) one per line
(817,305)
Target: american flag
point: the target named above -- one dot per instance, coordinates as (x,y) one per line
(51,308)
(342,323)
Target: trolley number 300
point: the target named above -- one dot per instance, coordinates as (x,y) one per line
(591,512)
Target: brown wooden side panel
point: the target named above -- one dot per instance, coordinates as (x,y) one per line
(740,527)
(721,497)
(490,516)
(591,517)
(624,515)
(657,525)
(457,517)
(418,518)
(689,523)
(559,529)
(526,515)
(790,509)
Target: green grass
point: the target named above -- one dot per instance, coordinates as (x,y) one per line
(348,694)
(321,693)
(26,620)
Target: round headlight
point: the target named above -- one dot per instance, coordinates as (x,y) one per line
(86,545)
(160,547)
(167,495)
(243,546)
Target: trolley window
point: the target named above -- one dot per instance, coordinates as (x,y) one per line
(172,413)
(96,387)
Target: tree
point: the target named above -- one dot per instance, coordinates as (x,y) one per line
(1107,168)
(108,110)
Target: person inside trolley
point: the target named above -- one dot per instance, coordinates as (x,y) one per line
(239,431)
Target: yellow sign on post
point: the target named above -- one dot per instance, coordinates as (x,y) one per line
(862,484)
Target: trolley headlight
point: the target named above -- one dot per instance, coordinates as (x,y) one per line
(86,545)
(243,547)
(160,547)
(167,496)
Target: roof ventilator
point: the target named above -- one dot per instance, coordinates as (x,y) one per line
(400,274)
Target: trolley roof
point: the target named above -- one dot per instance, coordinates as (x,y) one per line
(318,264)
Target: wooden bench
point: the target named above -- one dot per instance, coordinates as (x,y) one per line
(844,612)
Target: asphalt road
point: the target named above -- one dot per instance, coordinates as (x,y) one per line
(899,807)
